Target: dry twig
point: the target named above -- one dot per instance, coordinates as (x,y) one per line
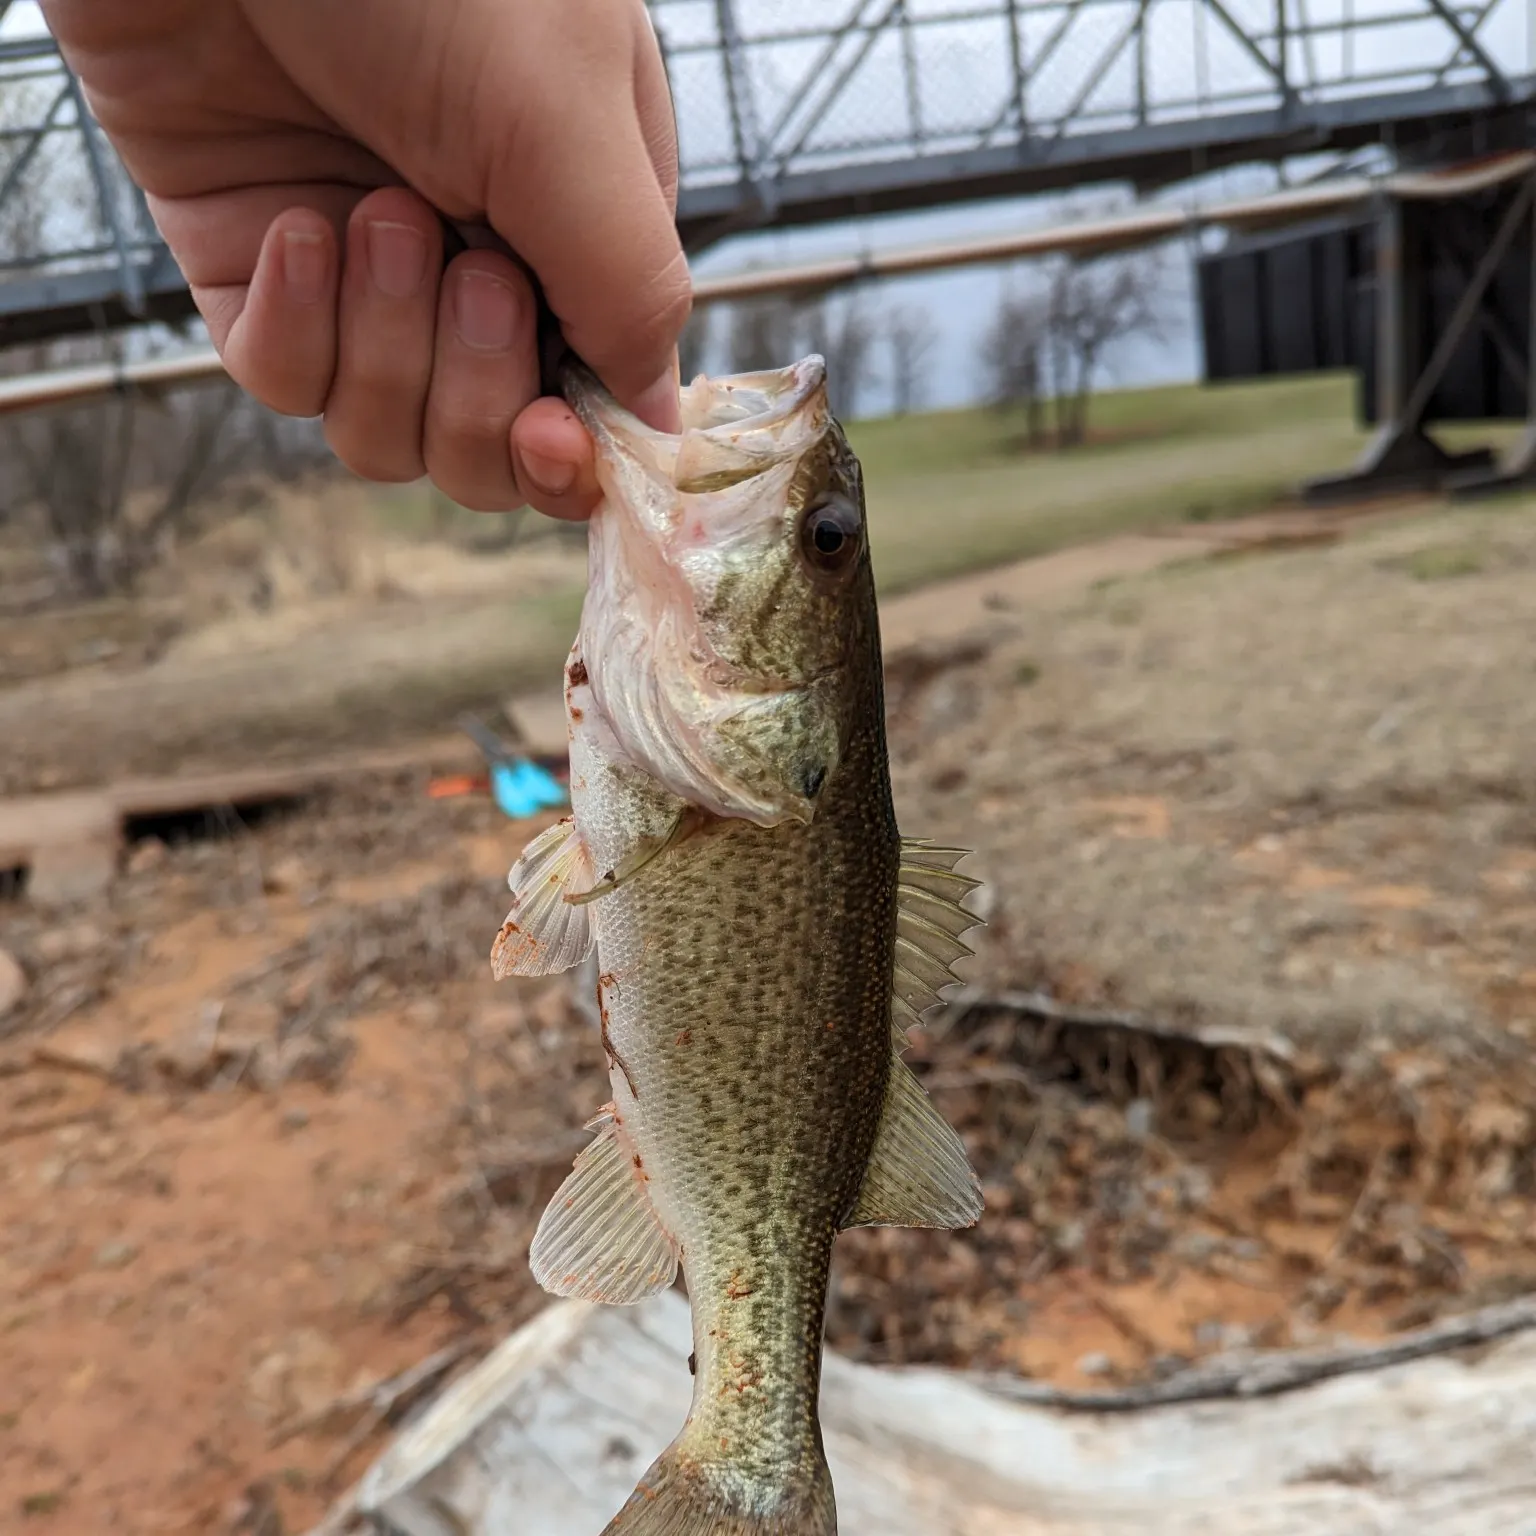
(1244,1376)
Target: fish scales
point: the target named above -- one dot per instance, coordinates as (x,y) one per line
(739,870)
(747,991)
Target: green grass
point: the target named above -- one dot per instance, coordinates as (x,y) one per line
(955,491)
(1116,419)
(1442,562)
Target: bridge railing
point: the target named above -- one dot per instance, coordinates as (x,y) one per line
(766,91)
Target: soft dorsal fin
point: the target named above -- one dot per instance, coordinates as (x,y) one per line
(544,933)
(600,1238)
(919,1174)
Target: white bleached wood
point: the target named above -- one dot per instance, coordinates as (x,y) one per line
(549,1434)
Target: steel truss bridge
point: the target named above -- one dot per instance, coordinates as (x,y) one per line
(794,112)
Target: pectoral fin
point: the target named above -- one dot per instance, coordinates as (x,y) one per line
(600,1238)
(544,933)
(689,820)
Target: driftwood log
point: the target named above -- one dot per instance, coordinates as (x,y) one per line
(549,1433)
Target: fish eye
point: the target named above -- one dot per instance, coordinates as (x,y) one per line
(830,534)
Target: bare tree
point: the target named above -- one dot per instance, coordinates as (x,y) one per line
(765,333)
(1014,354)
(1093,306)
(845,336)
(773,332)
(910,337)
(111,484)
(116,483)
(1053,348)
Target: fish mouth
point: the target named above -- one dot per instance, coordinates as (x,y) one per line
(734,428)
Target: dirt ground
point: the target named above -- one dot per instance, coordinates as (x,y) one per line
(1248,1060)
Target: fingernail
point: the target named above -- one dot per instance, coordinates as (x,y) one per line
(552,476)
(657,405)
(305,265)
(397,258)
(485,311)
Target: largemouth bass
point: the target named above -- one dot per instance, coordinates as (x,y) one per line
(761,927)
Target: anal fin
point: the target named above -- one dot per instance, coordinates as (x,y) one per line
(600,1238)
(544,933)
(918,1174)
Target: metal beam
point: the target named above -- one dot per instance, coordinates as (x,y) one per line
(1402,456)
(130,279)
(1518,471)
(812,118)
(18,167)
(1466,307)
(794,99)
(1159,152)
(74,302)
(1250,47)
(1469,44)
(1391,309)
(745,133)
(1084,238)
(1487,10)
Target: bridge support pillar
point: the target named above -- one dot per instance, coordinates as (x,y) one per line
(1402,456)
(1518,471)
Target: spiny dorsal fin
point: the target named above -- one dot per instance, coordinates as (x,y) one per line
(544,933)
(600,1238)
(929,922)
(918,1174)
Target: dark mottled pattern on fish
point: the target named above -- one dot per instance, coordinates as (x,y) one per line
(759,1037)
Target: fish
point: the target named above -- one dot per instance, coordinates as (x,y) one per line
(764,934)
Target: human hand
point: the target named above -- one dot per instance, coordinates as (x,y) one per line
(296,155)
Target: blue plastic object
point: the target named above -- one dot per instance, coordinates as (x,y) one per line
(522,788)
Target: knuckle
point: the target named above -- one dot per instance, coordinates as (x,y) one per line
(480,498)
(465,429)
(636,332)
(388,456)
(473,479)
(662,320)
(281,383)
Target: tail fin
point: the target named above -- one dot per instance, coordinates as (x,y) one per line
(679,1497)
